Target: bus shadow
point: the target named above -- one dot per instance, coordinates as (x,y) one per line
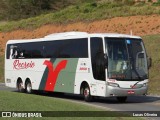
(108,100)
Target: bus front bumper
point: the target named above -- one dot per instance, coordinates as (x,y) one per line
(117,91)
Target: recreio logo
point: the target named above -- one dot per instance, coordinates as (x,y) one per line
(23,65)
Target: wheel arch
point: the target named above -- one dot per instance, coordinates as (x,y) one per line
(19,79)
(83,84)
(27,80)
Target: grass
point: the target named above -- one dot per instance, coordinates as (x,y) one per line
(1,68)
(152,45)
(12,101)
(33,102)
(84,12)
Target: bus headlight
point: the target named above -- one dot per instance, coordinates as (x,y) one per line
(113,84)
(140,85)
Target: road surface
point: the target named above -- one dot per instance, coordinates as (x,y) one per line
(140,103)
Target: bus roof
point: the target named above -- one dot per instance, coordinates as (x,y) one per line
(85,34)
(71,35)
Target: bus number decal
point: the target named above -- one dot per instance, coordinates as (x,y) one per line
(53,73)
(83,68)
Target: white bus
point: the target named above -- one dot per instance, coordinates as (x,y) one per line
(103,65)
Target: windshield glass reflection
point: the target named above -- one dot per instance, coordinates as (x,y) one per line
(126,59)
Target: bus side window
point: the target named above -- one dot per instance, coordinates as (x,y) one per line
(97,58)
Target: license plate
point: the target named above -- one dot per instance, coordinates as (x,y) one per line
(130,92)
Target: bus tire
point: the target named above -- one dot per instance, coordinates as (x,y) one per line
(20,85)
(122,99)
(28,87)
(87,94)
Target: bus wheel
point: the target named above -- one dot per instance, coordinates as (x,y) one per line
(28,87)
(122,99)
(86,93)
(20,86)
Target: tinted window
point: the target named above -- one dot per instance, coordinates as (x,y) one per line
(53,49)
(49,49)
(97,58)
(74,49)
(25,50)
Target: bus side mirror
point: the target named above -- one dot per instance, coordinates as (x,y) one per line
(149,60)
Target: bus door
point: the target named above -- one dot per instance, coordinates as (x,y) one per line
(98,65)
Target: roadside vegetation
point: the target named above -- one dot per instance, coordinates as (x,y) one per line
(12,101)
(1,68)
(33,102)
(85,12)
(21,9)
(152,45)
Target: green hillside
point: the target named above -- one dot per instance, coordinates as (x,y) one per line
(85,12)
(21,9)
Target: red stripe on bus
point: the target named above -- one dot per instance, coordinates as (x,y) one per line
(53,73)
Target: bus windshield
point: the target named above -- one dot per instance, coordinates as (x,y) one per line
(126,59)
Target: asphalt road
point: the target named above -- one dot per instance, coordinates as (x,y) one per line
(3,87)
(133,103)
